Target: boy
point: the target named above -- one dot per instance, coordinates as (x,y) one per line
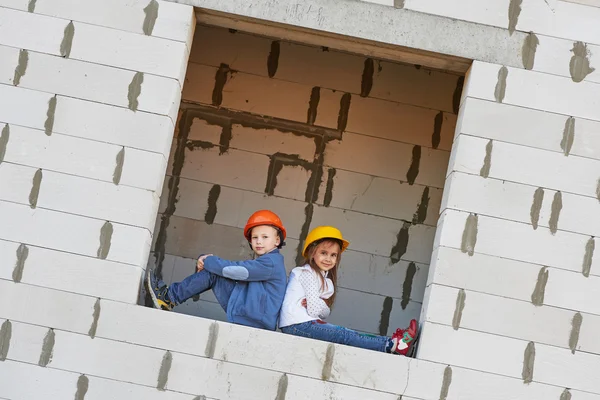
(251,291)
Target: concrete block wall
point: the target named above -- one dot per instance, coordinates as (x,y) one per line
(320,137)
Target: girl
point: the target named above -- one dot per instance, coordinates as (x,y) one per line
(311,293)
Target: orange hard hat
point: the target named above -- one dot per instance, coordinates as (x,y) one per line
(264,217)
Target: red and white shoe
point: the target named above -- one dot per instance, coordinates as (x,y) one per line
(404,338)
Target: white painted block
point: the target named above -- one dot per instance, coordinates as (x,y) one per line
(72,233)
(383,239)
(528,127)
(573,291)
(380,196)
(88,120)
(374,274)
(539,91)
(501,238)
(228,381)
(202,309)
(494,13)
(100,388)
(26,342)
(10,60)
(385,158)
(30,382)
(99,83)
(483,273)
(501,316)
(522,164)
(173,21)
(16,182)
(400,122)
(23,107)
(124,322)
(97,357)
(72,273)
(468,384)
(199,83)
(513,201)
(90,159)
(418,86)
(132,51)
(30,31)
(299,388)
(45,307)
(464,348)
(97,199)
(15,4)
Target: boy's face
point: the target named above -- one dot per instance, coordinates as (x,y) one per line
(263,239)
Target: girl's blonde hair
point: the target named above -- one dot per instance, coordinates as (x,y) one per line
(332,273)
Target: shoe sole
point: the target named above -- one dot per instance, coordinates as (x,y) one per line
(152,295)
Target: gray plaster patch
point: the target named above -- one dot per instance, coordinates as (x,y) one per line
(575,329)
(487,160)
(555,213)
(460,306)
(413,170)
(313,105)
(49,124)
(437,130)
(469,237)
(529,48)
(21,68)
(5,136)
(67,41)
(568,136)
(536,206)
(211,211)
(399,249)
(514,10)
(31,6)
(366,83)
(134,91)
(328,363)
(399,3)
(105,240)
(83,383)
(151,11)
(386,311)
(421,214)
(537,297)
(22,254)
(329,188)
(500,90)
(282,386)
(201,397)
(528,363)
(406,287)
(579,67)
(120,160)
(47,349)
(221,77)
(588,257)
(35,188)
(344,110)
(566,395)
(460,82)
(211,343)
(163,373)
(447,380)
(5,335)
(95,318)
(273,59)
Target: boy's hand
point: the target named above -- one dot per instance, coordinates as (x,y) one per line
(200,263)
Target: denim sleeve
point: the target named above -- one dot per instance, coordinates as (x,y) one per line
(247,270)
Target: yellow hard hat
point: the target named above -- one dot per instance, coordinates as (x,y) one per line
(322,232)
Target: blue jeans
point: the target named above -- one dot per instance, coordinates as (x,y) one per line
(338,334)
(199,283)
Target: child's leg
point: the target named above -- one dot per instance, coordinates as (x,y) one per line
(199,283)
(337,334)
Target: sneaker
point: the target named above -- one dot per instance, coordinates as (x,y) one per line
(404,338)
(159,292)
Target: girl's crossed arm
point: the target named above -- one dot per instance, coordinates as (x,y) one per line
(315,305)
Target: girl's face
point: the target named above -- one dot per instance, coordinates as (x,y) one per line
(326,255)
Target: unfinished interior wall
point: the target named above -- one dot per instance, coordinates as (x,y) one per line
(321,138)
